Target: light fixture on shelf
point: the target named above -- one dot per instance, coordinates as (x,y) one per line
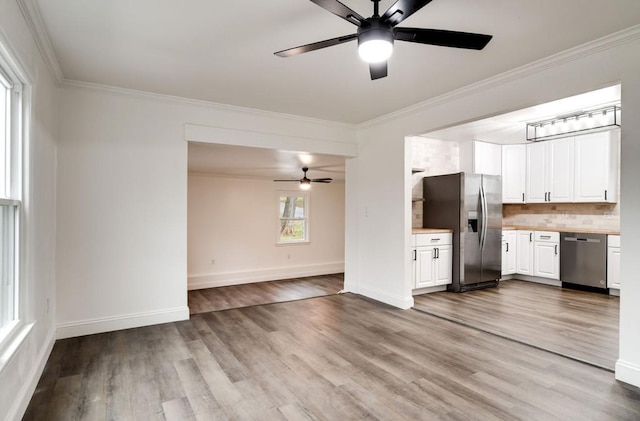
(564,125)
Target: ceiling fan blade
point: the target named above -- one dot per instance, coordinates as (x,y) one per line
(297,181)
(402,9)
(443,38)
(378,70)
(339,9)
(315,46)
(322,180)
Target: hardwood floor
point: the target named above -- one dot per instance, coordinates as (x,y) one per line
(581,325)
(328,358)
(236,296)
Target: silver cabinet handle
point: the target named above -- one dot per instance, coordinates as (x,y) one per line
(556,249)
(507,247)
(522,197)
(546,237)
(530,237)
(415,254)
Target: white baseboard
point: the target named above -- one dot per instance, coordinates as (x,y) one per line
(125,321)
(628,373)
(404,303)
(251,276)
(536,279)
(429,290)
(28,388)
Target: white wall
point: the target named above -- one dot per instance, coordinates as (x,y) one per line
(21,367)
(233,221)
(384,186)
(122,198)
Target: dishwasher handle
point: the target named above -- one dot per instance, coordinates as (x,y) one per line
(582,240)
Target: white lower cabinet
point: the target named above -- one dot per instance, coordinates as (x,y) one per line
(433,260)
(613,261)
(546,257)
(509,252)
(534,253)
(524,252)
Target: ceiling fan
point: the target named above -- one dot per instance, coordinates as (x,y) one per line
(305,183)
(376,34)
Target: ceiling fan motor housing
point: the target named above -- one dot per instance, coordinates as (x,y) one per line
(376,30)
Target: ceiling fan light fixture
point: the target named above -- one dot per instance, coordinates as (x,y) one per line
(305,184)
(375,50)
(375,43)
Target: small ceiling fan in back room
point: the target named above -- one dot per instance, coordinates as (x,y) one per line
(305,183)
(376,34)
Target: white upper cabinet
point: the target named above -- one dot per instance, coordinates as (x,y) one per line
(514,173)
(550,171)
(596,167)
(481,157)
(561,157)
(537,172)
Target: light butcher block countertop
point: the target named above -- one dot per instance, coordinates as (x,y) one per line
(430,231)
(580,230)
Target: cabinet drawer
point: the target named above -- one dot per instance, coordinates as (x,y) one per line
(546,236)
(433,239)
(613,240)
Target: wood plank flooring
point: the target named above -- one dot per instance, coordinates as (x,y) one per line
(579,324)
(338,357)
(236,296)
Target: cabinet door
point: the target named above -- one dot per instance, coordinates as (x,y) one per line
(537,172)
(524,252)
(505,270)
(443,265)
(425,259)
(514,173)
(613,267)
(546,260)
(511,252)
(561,173)
(593,167)
(487,158)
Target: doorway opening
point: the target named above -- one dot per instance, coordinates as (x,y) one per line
(237,253)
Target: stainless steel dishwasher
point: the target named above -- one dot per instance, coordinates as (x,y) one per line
(583,259)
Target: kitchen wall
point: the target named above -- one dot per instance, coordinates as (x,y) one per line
(233,221)
(605,216)
(436,157)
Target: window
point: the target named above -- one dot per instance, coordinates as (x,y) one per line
(10,197)
(293,218)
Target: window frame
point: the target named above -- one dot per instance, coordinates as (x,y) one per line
(293,193)
(15,332)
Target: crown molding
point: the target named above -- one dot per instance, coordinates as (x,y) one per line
(593,47)
(203,103)
(33,17)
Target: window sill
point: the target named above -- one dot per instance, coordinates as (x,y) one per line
(296,243)
(12,342)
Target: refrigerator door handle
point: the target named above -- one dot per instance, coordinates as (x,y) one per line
(483,203)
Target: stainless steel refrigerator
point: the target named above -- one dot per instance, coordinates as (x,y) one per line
(471,206)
